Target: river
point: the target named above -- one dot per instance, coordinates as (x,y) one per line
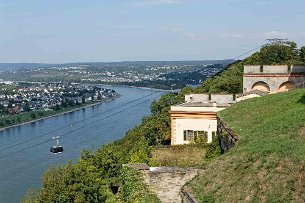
(23,170)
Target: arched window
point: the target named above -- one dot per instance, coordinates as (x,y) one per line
(262,86)
(286,86)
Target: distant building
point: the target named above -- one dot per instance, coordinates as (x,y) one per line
(197,117)
(273,79)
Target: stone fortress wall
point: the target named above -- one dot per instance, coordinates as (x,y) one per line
(273,78)
(205,98)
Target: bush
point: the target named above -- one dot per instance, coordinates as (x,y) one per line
(33,116)
(213,149)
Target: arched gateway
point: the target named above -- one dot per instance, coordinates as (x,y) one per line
(286,86)
(262,86)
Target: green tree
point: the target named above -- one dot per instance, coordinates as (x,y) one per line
(140,152)
(5,110)
(33,115)
(18,119)
(302,54)
(64,104)
(26,106)
(30,196)
(275,54)
(70,102)
(56,108)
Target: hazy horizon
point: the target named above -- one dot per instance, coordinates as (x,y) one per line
(142,30)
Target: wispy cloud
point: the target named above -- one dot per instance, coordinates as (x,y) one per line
(182,32)
(274,34)
(155,2)
(231,35)
(127,27)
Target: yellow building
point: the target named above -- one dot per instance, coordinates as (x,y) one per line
(197,117)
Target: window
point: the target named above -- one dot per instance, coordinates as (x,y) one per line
(261,69)
(190,135)
(193,135)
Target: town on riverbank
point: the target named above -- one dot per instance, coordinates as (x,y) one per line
(22,102)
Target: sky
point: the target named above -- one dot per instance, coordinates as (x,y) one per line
(58,31)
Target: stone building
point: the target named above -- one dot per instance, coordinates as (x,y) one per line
(197,117)
(273,78)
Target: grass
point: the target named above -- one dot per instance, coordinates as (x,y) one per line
(179,156)
(267,164)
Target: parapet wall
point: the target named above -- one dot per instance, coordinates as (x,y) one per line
(197,98)
(222,98)
(279,69)
(204,98)
(273,78)
(227,137)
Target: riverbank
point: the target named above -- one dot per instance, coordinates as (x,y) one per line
(53,113)
(144,88)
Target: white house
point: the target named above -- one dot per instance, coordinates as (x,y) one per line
(197,117)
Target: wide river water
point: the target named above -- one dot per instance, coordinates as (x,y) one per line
(23,170)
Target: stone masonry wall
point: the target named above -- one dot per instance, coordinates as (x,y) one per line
(227,137)
(197,98)
(222,98)
(167,182)
(202,98)
(274,76)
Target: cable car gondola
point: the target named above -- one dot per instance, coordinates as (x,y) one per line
(56,149)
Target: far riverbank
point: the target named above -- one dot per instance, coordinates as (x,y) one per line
(53,113)
(139,87)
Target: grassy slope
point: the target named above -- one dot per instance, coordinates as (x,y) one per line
(267,164)
(179,155)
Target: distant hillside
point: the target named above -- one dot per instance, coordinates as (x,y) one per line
(9,66)
(16,66)
(267,165)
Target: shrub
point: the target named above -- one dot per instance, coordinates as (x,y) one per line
(213,149)
(33,116)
